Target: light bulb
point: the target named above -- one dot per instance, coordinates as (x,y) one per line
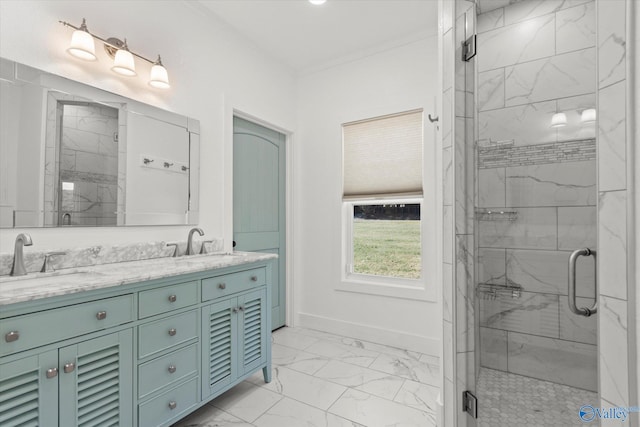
(588,115)
(82,45)
(558,120)
(123,62)
(158,77)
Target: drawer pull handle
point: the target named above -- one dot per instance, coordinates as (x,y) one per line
(69,367)
(222,285)
(173,405)
(171,369)
(172,332)
(254,278)
(12,336)
(173,298)
(52,373)
(101,315)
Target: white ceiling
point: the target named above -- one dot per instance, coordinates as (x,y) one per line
(305,36)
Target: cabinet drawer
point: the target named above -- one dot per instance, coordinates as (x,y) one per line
(167,370)
(169,406)
(219,286)
(168,298)
(162,334)
(36,329)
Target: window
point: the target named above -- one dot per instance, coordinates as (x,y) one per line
(382,195)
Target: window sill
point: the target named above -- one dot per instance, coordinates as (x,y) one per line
(385,287)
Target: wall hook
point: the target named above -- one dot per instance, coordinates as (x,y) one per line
(432,119)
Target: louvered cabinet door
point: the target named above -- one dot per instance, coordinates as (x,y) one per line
(28,396)
(219,344)
(96,382)
(253,330)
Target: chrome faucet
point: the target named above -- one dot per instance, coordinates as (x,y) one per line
(190,239)
(22,239)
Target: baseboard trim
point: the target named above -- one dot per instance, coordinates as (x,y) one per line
(412,342)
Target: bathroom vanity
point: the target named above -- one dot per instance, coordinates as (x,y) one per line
(139,343)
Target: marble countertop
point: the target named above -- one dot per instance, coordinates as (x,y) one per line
(68,281)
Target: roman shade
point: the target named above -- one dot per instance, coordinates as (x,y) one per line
(383,156)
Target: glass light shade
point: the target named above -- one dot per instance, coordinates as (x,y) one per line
(588,115)
(159,77)
(558,120)
(82,46)
(123,63)
(317,2)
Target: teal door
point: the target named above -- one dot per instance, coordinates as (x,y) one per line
(259,202)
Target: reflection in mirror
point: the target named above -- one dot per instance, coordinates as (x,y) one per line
(74,155)
(88,164)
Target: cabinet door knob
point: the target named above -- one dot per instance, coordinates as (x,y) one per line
(69,367)
(173,405)
(101,315)
(234,309)
(172,332)
(12,336)
(254,278)
(222,286)
(52,373)
(241,308)
(173,298)
(171,369)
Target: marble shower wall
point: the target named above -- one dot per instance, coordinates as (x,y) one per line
(537,58)
(617,359)
(458,226)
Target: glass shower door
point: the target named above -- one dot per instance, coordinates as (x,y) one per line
(535,204)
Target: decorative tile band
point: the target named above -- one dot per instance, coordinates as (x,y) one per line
(555,152)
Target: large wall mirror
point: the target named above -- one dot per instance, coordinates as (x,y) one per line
(73,155)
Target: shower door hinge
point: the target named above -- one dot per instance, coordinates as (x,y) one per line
(469,48)
(470,403)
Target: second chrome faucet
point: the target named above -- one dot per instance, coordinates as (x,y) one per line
(190,240)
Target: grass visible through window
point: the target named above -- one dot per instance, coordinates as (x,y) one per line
(387,247)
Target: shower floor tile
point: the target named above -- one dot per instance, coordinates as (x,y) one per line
(508,400)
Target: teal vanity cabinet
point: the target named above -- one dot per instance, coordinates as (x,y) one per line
(235,329)
(78,382)
(143,354)
(168,362)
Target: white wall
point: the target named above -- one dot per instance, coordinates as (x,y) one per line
(209,65)
(399,79)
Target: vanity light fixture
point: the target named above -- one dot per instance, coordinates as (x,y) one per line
(588,115)
(317,2)
(558,120)
(83,47)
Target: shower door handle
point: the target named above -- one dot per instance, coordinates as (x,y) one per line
(584,311)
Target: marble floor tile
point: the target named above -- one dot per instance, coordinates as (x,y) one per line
(360,378)
(305,388)
(298,360)
(291,413)
(246,401)
(419,396)
(292,337)
(210,416)
(326,385)
(346,353)
(373,411)
(407,368)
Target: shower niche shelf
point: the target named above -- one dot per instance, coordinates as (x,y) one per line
(493,291)
(491,215)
